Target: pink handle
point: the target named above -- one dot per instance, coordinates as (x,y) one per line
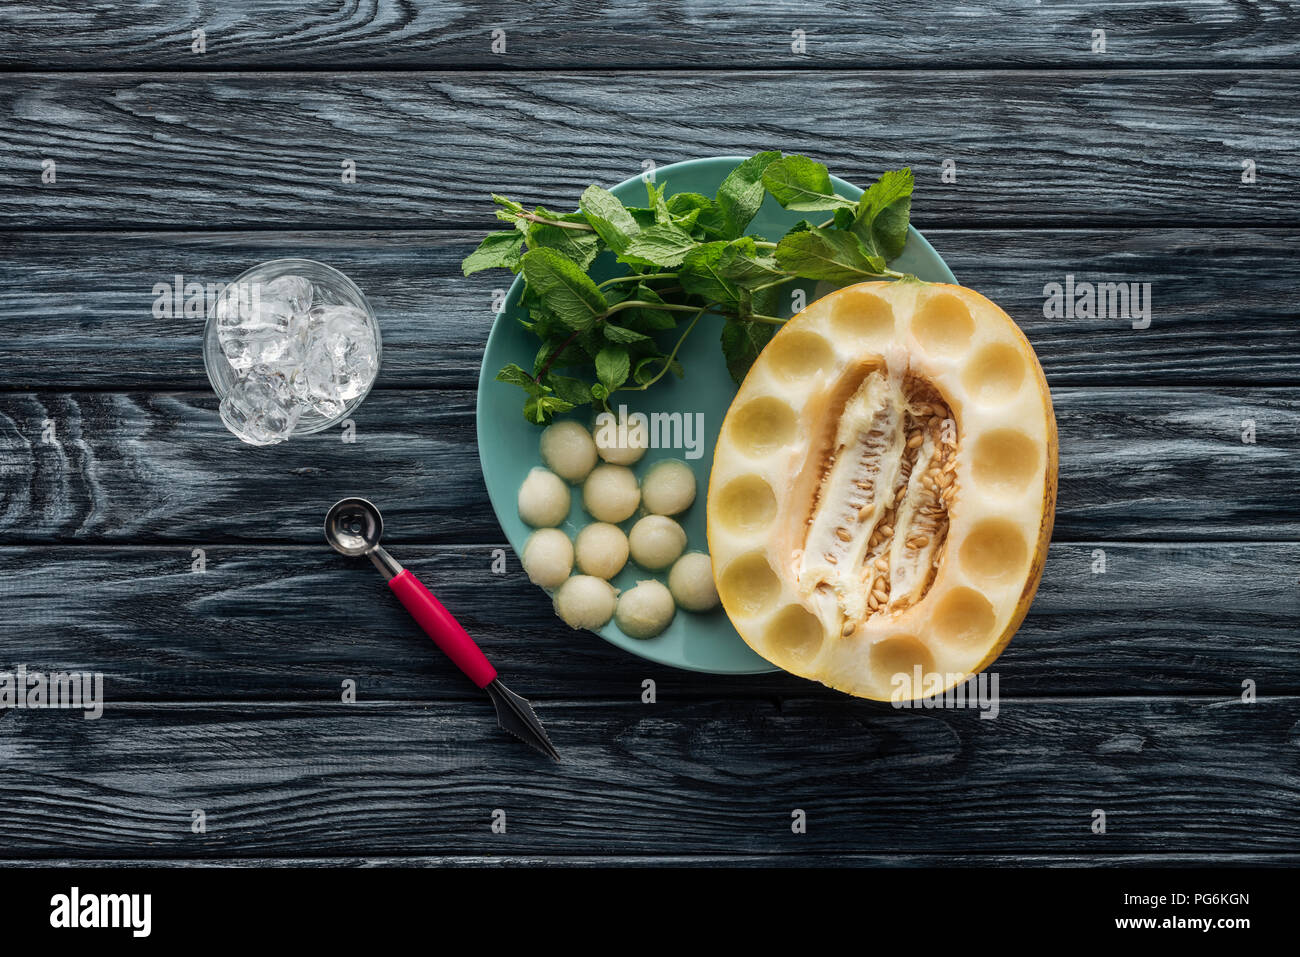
(445,630)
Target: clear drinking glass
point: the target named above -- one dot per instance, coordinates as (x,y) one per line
(329,287)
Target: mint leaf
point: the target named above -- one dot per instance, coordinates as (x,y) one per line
(741,264)
(564,290)
(742,341)
(516,376)
(497,251)
(571,390)
(641,215)
(700,274)
(651,367)
(655,200)
(649,320)
(509,204)
(610,218)
(576,218)
(579,247)
(660,245)
(742,192)
(612,366)
(883,213)
(541,403)
(647,369)
(761,302)
(621,334)
(802,184)
(696,209)
(829,254)
(540,408)
(549,345)
(560,352)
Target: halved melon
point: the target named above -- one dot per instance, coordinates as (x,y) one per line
(883,490)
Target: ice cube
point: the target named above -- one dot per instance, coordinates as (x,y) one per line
(260,408)
(342,355)
(295,290)
(324,406)
(255,331)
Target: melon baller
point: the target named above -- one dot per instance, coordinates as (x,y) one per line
(353,527)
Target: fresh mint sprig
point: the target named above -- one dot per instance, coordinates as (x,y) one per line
(687,257)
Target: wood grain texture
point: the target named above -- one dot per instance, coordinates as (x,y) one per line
(261,151)
(293,624)
(968,860)
(327,34)
(1174,776)
(77,307)
(1135,464)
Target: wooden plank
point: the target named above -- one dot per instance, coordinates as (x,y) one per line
(295,623)
(1173,775)
(1153,464)
(78,307)
(280,34)
(265,150)
(967,860)
(90,319)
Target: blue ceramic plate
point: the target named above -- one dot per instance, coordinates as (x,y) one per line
(507,443)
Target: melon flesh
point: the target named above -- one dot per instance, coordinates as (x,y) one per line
(883,490)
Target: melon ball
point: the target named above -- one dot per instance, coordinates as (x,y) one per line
(668,487)
(656,541)
(620,442)
(611,493)
(601,550)
(568,450)
(548,557)
(645,611)
(691,582)
(543,499)
(585,602)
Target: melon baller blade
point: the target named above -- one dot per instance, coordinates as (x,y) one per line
(353,527)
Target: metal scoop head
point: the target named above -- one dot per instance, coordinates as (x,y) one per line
(353,527)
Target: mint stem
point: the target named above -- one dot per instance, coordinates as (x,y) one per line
(788,277)
(541,374)
(534,218)
(672,356)
(638,303)
(638,277)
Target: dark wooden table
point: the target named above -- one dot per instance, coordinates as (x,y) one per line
(1123,691)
